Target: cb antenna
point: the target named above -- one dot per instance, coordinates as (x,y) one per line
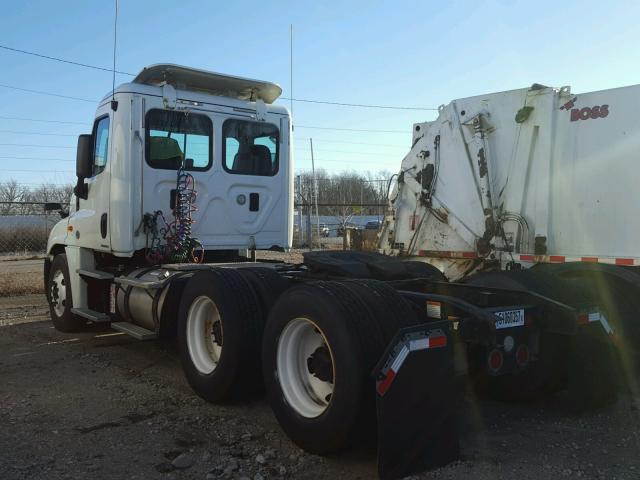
(114,104)
(291,67)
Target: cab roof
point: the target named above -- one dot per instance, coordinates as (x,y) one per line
(213,83)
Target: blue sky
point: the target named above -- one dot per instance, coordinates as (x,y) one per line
(390,53)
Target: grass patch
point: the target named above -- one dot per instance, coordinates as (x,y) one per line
(12,284)
(23,238)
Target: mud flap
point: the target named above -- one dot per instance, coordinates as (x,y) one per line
(593,373)
(416,400)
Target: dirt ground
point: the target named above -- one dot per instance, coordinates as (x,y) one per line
(20,276)
(102,405)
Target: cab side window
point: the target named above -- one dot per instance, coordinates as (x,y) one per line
(101,146)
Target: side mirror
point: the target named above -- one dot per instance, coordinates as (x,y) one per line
(84,165)
(49,206)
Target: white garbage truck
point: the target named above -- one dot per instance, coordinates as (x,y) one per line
(526,189)
(187,173)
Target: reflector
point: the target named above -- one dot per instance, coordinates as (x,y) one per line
(495,360)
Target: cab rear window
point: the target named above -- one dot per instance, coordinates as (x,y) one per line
(177,138)
(250,148)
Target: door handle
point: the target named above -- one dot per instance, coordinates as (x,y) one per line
(103,225)
(254,202)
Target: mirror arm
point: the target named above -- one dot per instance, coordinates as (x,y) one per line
(81,190)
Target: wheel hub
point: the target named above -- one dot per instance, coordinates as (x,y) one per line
(319,364)
(305,367)
(58,297)
(204,334)
(216,333)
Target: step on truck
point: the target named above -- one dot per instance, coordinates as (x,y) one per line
(185,175)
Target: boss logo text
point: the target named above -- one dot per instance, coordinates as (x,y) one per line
(586,113)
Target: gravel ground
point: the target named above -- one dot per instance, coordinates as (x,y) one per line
(102,405)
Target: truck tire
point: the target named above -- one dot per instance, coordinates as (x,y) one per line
(267,283)
(321,342)
(425,270)
(168,328)
(60,298)
(220,326)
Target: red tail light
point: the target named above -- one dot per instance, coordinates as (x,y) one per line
(522,355)
(495,360)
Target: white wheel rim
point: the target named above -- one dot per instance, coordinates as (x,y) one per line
(204,334)
(58,293)
(299,342)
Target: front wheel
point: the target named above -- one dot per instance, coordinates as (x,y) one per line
(60,297)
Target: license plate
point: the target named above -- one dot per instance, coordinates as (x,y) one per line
(510,318)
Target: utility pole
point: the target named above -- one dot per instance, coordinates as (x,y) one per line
(300,200)
(315,189)
(291,68)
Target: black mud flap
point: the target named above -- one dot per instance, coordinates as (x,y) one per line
(416,401)
(594,371)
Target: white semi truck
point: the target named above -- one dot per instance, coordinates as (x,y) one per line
(185,169)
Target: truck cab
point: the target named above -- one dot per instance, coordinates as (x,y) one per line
(223,132)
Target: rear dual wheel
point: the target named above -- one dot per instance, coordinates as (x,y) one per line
(321,342)
(220,324)
(306,368)
(204,334)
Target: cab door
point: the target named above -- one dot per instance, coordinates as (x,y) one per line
(247,204)
(174,139)
(90,221)
(240,175)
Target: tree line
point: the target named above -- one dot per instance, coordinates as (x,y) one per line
(20,199)
(341,194)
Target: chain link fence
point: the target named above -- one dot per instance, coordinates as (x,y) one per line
(24,228)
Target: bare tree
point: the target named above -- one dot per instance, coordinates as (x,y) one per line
(344,195)
(10,191)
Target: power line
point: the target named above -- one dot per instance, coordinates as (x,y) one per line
(35,171)
(359,105)
(302,100)
(47,93)
(28,145)
(38,158)
(23,184)
(340,170)
(296,126)
(36,184)
(86,65)
(284,98)
(43,121)
(324,140)
(351,129)
(343,151)
(40,133)
(323,160)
